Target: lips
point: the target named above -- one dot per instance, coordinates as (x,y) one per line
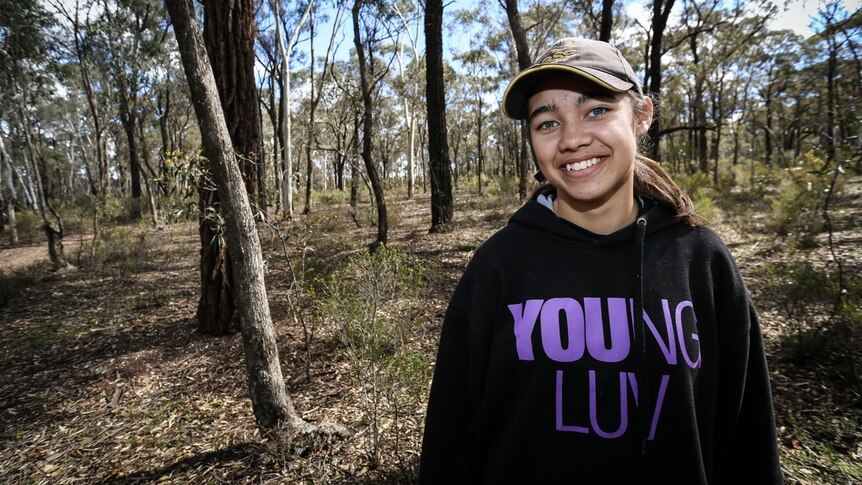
(581,165)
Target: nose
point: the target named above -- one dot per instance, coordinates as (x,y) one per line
(574,136)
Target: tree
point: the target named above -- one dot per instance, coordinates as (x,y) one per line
(522,49)
(229,33)
(367,85)
(438,145)
(24,51)
(287,180)
(316,92)
(272,405)
(660,14)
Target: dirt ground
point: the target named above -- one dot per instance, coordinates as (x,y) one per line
(104,379)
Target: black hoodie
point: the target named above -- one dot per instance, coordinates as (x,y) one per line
(545,374)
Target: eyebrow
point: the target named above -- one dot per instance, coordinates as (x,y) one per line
(583,98)
(547,108)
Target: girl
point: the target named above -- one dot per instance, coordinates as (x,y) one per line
(604,335)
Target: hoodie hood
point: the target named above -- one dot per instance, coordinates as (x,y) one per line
(535,215)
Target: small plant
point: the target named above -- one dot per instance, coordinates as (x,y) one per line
(370,300)
(798,203)
(801,291)
(120,249)
(12,284)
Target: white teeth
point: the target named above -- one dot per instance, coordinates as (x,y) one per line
(574,167)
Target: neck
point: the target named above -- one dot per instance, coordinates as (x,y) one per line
(603,219)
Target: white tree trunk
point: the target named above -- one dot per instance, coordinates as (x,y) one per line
(287,182)
(9,196)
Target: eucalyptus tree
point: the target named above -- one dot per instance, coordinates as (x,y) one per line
(273,408)
(342,116)
(438,149)
(368,19)
(660,14)
(522,50)
(410,67)
(317,86)
(131,45)
(25,65)
(77,21)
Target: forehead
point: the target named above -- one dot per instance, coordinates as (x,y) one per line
(562,84)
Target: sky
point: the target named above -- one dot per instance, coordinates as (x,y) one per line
(796,16)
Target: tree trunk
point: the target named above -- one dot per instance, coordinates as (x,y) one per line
(10,197)
(229,32)
(271,403)
(523,53)
(607,20)
(480,154)
(53,228)
(831,73)
(287,183)
(367,127)
(660,14)
(309,167)
(438,144)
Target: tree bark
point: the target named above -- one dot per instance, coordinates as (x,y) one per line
(229,30)
(309,167)
(271,403)
(522,49)
(10,197)
(607,20)
(438,143)
(367,127)
(660,14)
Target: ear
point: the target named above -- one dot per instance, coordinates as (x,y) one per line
(644,117)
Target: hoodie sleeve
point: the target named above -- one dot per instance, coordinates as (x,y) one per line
(747,448)
(448,454)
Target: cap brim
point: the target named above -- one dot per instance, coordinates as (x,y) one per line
(515,97)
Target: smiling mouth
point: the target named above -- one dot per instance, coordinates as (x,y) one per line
(582,165)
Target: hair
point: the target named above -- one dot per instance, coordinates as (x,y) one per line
(650,179)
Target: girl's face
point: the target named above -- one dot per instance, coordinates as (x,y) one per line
(585,140)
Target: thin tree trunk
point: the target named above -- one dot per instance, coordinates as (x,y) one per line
(367,127)
(309,168)
(438,144)
(10,195)
(661,12)
(287,182)
(607,20)
(522,49)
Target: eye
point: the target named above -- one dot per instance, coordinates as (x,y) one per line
(546,125)
(597,112)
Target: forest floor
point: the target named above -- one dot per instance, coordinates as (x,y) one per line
(104,378)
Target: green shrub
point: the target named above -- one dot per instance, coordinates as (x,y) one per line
(370,300)
(706,208)
(798,202)
(30,227)
(802,292)
(119,249)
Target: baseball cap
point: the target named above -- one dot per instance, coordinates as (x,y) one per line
(593,60)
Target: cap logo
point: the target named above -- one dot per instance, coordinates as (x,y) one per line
(557,53)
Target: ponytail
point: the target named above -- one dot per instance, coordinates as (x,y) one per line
(652,182)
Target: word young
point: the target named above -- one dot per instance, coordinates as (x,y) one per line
(603,329)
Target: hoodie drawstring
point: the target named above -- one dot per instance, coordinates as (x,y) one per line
(642,369)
